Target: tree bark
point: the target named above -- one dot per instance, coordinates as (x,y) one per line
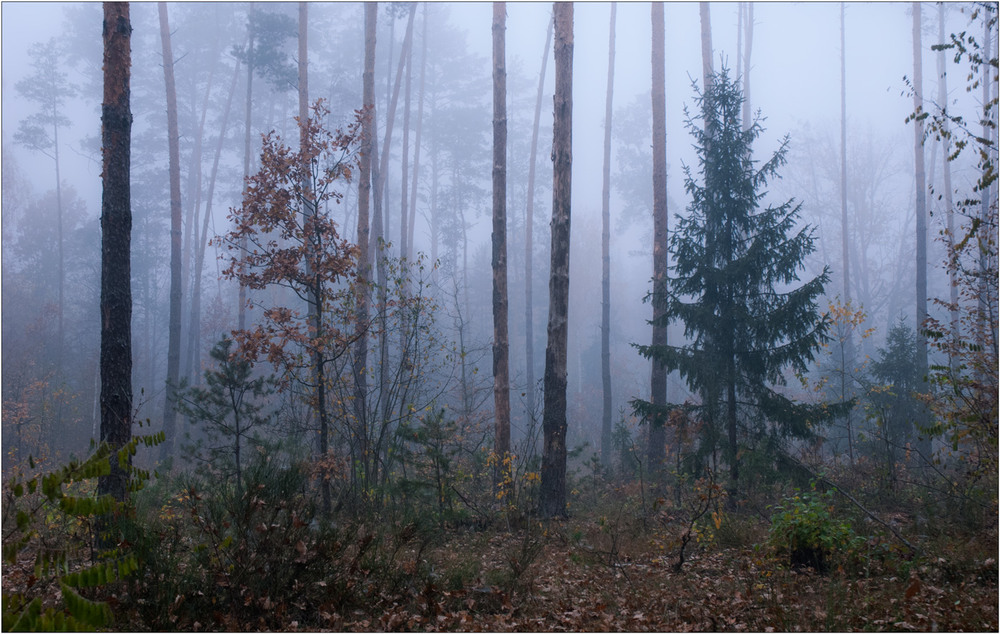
(174,327)
(315,309)
(740,9)
(364,256)
(383,163)
(747,49)
(606,449)
(656,452)
(921,207)
(242,309)
(404,158)
(60,249)
(529,243)
(416,141)
(552,495)
(501,373)
(986,310)
(845,240)
(116,228)
(303,68)
(948,193)
(380,219)
(194,330)
(706,44)
(192,235)
(847,360)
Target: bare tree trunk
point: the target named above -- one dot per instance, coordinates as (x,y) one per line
(404,159)
(606,449)
(501,372)
(740,9)
(383,164)
(986,314)
(194,196)
(116,227)
(847,360)
(191,239)
(416,140)
(435,220)
(529,243)
(706,44)
(948,193)
(194,330)
(60,248)
(747,48)
(242,309)
(377,246)
(921,205)
(552,494)
(364,257)
(845,240)
(174,328)
(656,452)
(380,218)
(315,309)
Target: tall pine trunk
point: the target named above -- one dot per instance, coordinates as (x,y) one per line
(416,141)
(192,235)
(404,158)
(656,451)
(116,229)
(747,49)
(848,353)
(380,220)
(740,10)
(921,204)
(942,67)
(501,374)
(194,198)
(987,314)
(194,328)
(705,16)
(174,327)
(844,235)
(529,243)
(390,120)
(315,308)
(242,308)
(61,265)
(552,494)
(364,257)
(606,449)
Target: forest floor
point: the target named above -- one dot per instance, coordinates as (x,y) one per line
(568,579)
(606,568)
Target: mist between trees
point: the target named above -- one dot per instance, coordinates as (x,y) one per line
(365,281)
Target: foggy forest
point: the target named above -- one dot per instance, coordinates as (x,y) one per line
(499,316)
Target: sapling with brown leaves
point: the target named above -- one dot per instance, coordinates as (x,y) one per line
(284,235)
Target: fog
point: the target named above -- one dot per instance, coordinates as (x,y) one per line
(795,84)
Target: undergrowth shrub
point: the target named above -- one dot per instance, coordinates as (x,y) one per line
(231,546)
(806,527)
(217,555)
(55,518)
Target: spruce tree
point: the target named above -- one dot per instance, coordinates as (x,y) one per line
(735,285)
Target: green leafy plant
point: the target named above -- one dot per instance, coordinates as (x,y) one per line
(55,516)
(805,527)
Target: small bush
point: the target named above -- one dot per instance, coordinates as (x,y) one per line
(55,518)
(804,525)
